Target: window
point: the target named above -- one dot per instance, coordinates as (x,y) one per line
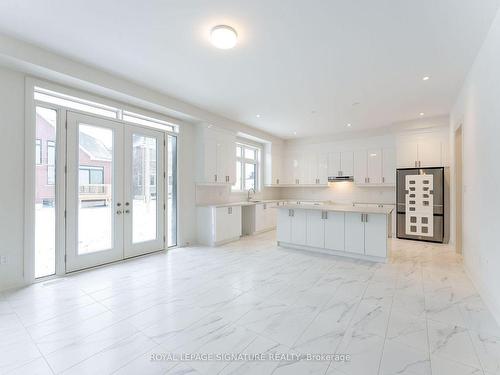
(84,105)
(247,167)
(38,151)
(91,176)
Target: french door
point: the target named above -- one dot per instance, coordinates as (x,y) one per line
(115,191)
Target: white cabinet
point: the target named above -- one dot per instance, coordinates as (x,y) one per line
(315,228)
(265,216)
(218,225)
(366,234)
(360,167)
(299,227)
(354,233)
(334,230)
(375,242)
(284,226)
(374,166)
(388,166)
(294,168)
(216,158)
(273,164)
(341,163)
(423,150)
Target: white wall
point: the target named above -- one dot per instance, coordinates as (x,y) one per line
(478,108)
(12,172)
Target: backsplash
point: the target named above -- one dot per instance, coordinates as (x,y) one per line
(342,192)
(213,194)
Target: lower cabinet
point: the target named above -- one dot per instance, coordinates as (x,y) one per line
(315,228)
(366,234)
(265,216)
(334,231)
(218,225)
(352,232)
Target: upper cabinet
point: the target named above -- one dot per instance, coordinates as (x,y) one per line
(274,174)
(340,164)
(423,150)
(376,166)
(216,156)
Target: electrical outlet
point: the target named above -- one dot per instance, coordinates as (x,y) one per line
(3,259)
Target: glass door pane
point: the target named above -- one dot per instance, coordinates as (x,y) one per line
(45,192)
(95,189)
(144,191)
(144,188)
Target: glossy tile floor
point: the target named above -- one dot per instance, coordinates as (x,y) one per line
(418,314)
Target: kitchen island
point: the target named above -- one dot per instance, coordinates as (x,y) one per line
(344,230)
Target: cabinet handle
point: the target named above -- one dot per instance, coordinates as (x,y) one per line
(215,177)
(368,179)
(383,179)
(366,218)
(419,164)
(293,213)
(362,217)
(416,163)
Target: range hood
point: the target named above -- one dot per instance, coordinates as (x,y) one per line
(340,178)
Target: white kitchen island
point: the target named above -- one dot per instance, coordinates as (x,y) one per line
(345,230)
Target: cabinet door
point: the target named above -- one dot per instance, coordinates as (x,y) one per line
(209,160)
(334,231)
(276,165)
(230,164)
(360,170)
(334,167)
(260,217)
(272,214)
(388,166)
(299,227)
(376,235)
(311,169)
(315,228)
(221,155)
(283,231)
(322,161)
(407,154)
(430,153)
(222,224)
(374,166)
(347,163)
(354,233)
(234,218)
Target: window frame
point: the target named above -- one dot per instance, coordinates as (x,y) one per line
(243,160)
(38,151)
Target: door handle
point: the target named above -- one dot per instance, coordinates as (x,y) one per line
(118,204)
(119,212)
(215,177)
(127,211)
(127,204)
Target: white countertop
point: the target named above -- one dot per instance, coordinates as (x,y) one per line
(340,207)
(242,203)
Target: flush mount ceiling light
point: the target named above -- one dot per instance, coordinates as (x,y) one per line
(258,116)
(348,125)
(426,78)
(422,113)
(223,37)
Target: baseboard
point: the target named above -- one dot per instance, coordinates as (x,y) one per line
(488,299)
(344,254)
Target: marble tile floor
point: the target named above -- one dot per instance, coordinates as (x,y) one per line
(418,314)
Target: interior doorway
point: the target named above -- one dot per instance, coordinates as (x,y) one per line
(458,189)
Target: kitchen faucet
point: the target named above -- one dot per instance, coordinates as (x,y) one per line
(250,190)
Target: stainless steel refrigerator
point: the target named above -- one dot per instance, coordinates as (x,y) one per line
(421,204)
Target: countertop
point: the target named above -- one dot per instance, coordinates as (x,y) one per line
(242,203)
(340,207)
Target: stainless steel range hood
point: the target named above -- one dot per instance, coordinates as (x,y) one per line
(340,178)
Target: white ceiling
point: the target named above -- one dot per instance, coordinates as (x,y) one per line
(293,57)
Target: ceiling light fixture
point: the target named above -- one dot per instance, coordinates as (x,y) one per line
(422,113)
(294,133)
(223,37)
(349,125)
(258,116)
(426,78)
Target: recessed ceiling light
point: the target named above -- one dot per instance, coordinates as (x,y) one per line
(426,78)
(422,113)
(294,133)
(223,37)
(258,116)
(348,125)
